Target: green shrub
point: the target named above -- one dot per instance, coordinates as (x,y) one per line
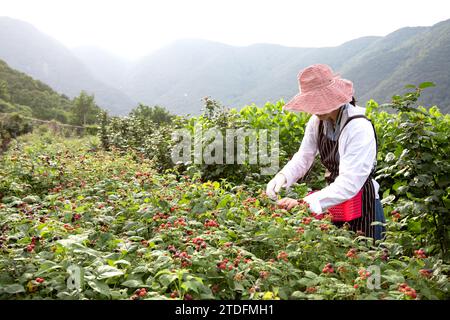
(414,170)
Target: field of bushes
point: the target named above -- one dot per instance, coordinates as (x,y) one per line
(109,216)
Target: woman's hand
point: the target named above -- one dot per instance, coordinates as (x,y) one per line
(287,203)
(274,186)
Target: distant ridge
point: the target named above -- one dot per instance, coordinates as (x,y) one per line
(178,75)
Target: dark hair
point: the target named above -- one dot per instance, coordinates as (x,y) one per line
(353,102)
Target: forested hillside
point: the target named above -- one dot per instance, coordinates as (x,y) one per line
(19,92)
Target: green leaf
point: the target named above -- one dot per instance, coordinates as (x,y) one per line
(223,202)
(310,274)
(31,199)
(424,85)
(166,277)
(392,276)
(398,184)
(132,283)
(140,269)
(414,226)
(14,288)
(298,295)
(122,262)
(79,248)
(100,287)
(105,272)
(388,199)
(308,282)
(238,286)
(192,285)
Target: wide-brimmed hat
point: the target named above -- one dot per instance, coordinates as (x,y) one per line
(321,90)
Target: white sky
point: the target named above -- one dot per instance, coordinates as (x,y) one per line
(133,28)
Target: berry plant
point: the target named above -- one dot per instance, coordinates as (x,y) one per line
(111,217)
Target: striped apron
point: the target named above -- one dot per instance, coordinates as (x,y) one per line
(329,155)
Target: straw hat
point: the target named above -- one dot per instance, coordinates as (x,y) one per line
(321,91)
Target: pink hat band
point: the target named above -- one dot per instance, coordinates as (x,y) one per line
(321,91)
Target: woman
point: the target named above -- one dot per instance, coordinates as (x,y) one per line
(345,140)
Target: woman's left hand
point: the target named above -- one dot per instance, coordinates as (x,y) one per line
(287,203)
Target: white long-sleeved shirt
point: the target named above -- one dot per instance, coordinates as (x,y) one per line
(357,156)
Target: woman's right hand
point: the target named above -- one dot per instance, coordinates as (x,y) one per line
(287,203)
(274,185)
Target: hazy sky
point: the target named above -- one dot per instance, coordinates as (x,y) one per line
(133,28)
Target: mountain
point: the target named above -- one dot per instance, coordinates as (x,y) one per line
(409,55)
(180,74)
(105,66)
(27,49)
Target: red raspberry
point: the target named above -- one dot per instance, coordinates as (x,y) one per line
(306,220)
(426,272)
(300,230)
(420,254)
(311,289)
(351,253)
(363,274)
(211,223)
(282,256)
(412,293)
(221,266)
(68,227)
(328,268)
(142,292)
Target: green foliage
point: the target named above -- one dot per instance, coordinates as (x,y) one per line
(4,92)
(103,132)
(31,98)
(138,132)
(290,127)
(11,126)
(136,234)
(156,114)
(414,171)
(85,111)
(6,107)
(412,156)
(218,119)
